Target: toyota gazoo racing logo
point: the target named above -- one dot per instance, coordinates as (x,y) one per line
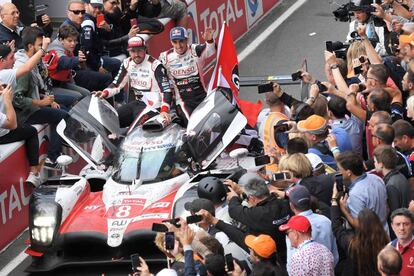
(235,76)
(253,5)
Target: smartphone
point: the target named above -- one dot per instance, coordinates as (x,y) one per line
(169,240)
(135,262)
(261,160)
(358,70)
(339,182)
(264,88)
(83,50)
(133,22)
(281,176)
(40,10)
(328,45)
(229,262)
(159,227)
(99,19)
(297,76)
(194,219)
(322,88)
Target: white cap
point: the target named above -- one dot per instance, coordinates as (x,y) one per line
(167,272)
(314,159)
(96,2)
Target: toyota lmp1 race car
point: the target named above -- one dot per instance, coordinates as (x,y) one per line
(106,213)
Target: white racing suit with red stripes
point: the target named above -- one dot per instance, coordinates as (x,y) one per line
(150,84)
(186,72)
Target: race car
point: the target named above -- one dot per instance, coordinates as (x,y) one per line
(106,213)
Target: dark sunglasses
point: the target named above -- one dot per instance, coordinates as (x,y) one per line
(77,12)
(114,3)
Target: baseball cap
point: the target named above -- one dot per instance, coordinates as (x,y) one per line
(136,41)
(167,272)
(409,39)
(262,245)
(198,204)
(298,223)
(299,196)
(178,33)
(314,124)
(315,160)
(96,3)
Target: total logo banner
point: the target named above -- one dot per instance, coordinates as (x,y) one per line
(240,15)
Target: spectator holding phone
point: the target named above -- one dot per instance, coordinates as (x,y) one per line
(10,30)
(300,204)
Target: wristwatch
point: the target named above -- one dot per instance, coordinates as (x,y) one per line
(334,66)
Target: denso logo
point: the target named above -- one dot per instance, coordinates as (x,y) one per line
(141,83)
(227,12)
(184,71)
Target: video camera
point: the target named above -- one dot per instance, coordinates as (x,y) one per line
(344,13)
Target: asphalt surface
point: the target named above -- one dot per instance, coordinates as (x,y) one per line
(301,36)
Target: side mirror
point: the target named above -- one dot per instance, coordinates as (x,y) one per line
(63,161)
(238,153)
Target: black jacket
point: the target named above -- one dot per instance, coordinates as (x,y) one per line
(8,35)
(320,186)
(264,218)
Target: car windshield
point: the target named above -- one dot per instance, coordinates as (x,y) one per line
(150,157)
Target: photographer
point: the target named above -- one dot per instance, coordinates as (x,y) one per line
(363,16)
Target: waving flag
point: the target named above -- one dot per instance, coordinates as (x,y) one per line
(226,74)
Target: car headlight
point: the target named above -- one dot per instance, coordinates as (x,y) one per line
(44,220)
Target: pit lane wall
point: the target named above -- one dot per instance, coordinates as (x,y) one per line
(240,15)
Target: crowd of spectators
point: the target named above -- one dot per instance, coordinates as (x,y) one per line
(337,196)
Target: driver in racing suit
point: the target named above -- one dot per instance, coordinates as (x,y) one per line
(147,78)
(184,64)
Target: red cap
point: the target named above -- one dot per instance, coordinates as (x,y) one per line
(298,223)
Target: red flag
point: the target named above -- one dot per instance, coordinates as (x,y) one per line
(226,74)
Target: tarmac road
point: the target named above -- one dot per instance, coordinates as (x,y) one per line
(302,35)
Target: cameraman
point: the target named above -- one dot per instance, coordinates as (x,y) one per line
(363,16)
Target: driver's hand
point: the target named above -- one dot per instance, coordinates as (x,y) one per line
(166,116)
(99,94)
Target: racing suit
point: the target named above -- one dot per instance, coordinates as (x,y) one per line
(186,73)
(149,82)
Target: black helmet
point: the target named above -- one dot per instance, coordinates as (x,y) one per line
(212,188)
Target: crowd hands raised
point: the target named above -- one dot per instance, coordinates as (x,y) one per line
(337,195)
(97,42)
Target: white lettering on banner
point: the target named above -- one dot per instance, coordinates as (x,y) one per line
(15,201)
(212,19)
(160,205)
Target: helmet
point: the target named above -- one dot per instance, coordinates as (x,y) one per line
(212,188)
(136,41)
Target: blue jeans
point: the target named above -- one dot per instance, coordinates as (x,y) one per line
(51,116)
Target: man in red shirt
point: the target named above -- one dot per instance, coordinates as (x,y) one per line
(402,222)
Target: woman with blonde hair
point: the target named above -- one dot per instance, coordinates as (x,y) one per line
(355,50)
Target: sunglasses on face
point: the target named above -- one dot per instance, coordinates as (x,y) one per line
(77,12)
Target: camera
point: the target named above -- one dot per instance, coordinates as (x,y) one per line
(338,47)
(343,13)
